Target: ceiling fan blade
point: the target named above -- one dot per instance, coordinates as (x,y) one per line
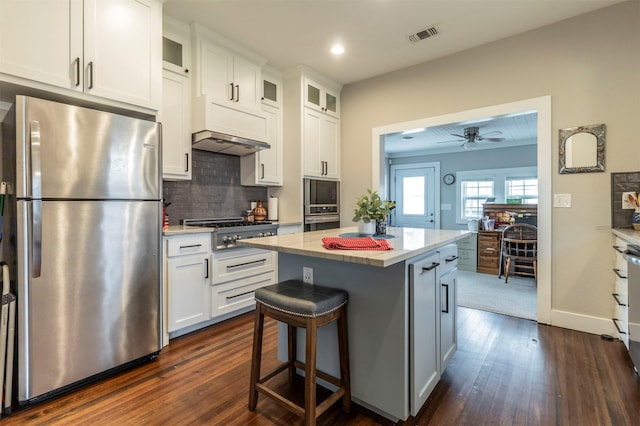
(492,139)
(460,136)
(492,132)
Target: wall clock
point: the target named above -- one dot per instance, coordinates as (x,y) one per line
(449,179)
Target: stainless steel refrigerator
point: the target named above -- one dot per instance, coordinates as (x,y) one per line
(83,236)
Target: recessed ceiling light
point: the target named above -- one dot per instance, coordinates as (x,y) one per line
(337,49)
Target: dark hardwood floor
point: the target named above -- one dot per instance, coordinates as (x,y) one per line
(507,371)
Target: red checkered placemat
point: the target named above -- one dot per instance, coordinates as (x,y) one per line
(367,243)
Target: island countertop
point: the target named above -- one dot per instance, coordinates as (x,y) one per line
(406,243)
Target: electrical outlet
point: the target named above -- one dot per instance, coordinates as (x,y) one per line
(307,275)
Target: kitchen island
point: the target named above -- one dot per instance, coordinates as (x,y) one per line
(394,311)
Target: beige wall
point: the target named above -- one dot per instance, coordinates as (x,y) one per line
(590,66)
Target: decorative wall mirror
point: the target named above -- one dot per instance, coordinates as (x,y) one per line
(582,149)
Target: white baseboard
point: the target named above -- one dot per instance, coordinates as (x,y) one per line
(585,323)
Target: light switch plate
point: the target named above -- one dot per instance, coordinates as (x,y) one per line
(562,200)
(626,203)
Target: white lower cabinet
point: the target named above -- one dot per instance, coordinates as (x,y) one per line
(432,321)
(448,273)
(620,292)
(424,326)
(237,274)
(188,279)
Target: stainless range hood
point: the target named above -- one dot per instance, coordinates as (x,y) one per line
(208,140)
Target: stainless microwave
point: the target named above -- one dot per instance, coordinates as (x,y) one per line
(321,197)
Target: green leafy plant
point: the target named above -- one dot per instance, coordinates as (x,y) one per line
(371,207)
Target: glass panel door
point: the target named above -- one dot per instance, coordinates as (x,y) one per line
(414,193)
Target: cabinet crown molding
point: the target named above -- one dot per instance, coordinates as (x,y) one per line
(199,31)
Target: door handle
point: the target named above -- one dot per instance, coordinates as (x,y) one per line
(77,71)
(446,295)
(206,267)
(90,85)
(237,93)
(231,98)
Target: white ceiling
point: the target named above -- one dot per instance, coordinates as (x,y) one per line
(374,33)
(293,32)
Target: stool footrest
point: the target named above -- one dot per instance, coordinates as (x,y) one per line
(274,372)
(280,399)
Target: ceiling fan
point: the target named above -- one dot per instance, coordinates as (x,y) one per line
(472,136)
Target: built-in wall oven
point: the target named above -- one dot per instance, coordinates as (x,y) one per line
(321,204)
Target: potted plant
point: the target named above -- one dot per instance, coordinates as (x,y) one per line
(371,213)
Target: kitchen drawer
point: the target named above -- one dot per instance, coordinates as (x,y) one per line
(234,295)
(448,258)
(228,265)
(488,261)
(181,245)
(467,257)
(489,251)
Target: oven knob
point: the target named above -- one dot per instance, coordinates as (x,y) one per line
(237,237)
(260,234)
(225,239)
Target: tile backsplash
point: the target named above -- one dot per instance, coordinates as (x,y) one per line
(213,191)
(620,183)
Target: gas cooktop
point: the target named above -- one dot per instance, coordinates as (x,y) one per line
(226,231)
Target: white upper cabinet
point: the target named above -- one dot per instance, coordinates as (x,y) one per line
(321,145)
(227,76)
(175,112)
(176,46)
(106,48)
(265,168)
(321,98)
(175,116)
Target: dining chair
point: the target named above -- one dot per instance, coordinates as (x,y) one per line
(520,250)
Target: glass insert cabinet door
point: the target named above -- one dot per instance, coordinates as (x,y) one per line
(413,190)
(320,98)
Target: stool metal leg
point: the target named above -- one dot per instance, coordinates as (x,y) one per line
(256,357)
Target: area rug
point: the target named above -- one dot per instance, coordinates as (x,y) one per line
(518,298)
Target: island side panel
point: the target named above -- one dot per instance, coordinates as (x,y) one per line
(377,316)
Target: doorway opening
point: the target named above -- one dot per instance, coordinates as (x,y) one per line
(542,107)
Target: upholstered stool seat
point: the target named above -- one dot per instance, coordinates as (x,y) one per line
(298,304)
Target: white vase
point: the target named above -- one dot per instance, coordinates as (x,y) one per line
(366,228)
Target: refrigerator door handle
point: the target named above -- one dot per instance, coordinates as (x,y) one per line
(36,194)
(36,165)
(36,238)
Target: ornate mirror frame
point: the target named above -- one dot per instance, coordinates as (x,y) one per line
(597,131)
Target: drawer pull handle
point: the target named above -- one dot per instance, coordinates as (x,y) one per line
(433,265)
(618,249)
(451,258)
(617,297)
(191,246)
(615,322)
(617,272)
(240,294)
(246,264)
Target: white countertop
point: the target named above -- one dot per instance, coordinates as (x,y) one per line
(181,229)
(406,243)
(628,234)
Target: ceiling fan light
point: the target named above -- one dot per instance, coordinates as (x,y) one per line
(470,146)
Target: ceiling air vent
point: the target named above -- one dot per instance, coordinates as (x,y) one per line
(422,34)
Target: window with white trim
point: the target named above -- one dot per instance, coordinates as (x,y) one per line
(473,187)
(522,188)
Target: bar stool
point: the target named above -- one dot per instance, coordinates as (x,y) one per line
(298,304)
